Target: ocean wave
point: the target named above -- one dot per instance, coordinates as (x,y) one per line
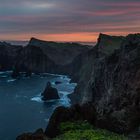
(11,80)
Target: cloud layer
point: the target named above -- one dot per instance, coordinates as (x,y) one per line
(77,20)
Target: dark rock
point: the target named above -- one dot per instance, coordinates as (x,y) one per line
(28,73)
(58,82)
(50,93)
(8,55)
(15,73)
(49,57)
(38,135)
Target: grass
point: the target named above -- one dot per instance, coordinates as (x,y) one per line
(84,131)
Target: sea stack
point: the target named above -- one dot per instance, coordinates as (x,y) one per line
(50,93)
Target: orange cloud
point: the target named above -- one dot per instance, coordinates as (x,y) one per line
(54,37)
(85,37)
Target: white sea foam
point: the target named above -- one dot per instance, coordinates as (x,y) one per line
(37,99)
(46,120)
(11,80)
(3,76)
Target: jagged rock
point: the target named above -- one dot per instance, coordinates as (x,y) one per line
(38,135)
(50,93)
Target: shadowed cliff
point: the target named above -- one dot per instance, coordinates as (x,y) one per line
(42,56)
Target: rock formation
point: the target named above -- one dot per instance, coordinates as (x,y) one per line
(50,93)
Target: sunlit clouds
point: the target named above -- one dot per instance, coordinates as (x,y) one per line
(67,20)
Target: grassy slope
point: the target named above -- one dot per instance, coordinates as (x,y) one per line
(84,131)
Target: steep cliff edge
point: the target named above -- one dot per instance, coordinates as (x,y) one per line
(113,86)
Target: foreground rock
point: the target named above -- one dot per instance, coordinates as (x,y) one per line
(50,93)
(38,135)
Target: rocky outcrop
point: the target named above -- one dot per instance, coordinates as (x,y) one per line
(8,55)
(50,93)
(42,56)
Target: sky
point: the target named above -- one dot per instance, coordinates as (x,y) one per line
(67,20)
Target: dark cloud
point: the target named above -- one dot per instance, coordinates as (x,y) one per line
(68,16)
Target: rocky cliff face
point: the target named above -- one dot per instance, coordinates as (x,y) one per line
(105,46)
(8,55)
(42,56)
(113,86)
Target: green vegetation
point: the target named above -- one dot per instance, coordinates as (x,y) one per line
(84,131)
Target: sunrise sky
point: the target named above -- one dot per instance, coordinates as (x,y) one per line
(67,20)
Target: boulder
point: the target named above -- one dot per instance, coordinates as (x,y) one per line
(50,93)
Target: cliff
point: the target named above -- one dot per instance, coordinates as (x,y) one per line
(105,46)
(43,56)
(8,55)
(109,85)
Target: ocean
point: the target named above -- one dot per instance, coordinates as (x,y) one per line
(21,107)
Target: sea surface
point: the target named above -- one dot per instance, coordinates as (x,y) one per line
(21,107)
